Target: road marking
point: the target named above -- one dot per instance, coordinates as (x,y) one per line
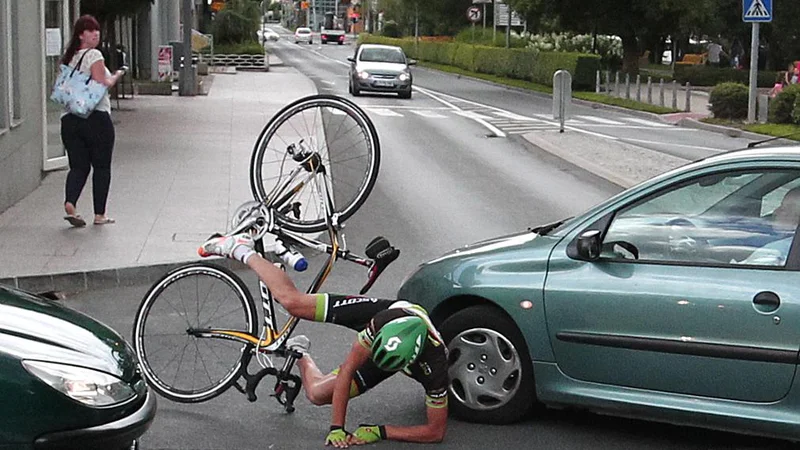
(472,115)
(496,131)
(329,83)
(512,116)
(386,112)
(644,141)
(599,120)
(428,114)
(647,122)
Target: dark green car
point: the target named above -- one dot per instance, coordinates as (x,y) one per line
(66,380)
(677,300)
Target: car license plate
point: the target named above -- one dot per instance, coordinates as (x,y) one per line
(386,83)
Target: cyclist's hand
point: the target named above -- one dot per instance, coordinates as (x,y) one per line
(337,437)
(368,434)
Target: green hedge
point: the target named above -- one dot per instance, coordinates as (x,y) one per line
(518,63)
(712,76)
(782,107)
(729,101)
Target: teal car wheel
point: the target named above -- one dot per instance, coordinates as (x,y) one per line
(491,375)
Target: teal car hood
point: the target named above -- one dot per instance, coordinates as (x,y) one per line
(33,328)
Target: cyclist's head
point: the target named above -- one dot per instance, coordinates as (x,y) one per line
(398,343)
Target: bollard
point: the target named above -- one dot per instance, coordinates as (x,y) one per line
(638,88)
(616,84)
(628,86)
(688,106)
(597,83)
(661,92)
(763,108)
(608,81)
(650,90)
(674,94)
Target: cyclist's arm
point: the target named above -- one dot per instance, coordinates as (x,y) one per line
(433,431)
(341,390)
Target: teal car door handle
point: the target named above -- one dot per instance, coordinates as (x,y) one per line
(766,301)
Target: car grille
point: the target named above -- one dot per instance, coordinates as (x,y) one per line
(383,76)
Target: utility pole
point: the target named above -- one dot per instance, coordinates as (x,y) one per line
(186,81)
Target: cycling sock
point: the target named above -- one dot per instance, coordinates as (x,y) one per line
(243,253)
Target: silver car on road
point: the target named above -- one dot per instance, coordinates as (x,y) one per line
(380,68)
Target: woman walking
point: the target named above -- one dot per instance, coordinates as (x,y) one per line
(89,142)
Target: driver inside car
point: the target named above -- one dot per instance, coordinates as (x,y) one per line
(784,221)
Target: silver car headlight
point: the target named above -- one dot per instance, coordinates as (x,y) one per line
(90,387)
(363,75)
(403,77)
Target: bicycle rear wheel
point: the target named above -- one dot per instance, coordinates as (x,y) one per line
(349,149)
(177,363)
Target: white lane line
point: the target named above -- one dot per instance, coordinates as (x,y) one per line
(472,115)
(428,114)
(544,116)
(512,116)
(599,120)
(523,128)
(671,144)
(385,112)
(649,123)
(496,131)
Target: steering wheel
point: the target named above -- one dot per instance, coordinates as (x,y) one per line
(682,242)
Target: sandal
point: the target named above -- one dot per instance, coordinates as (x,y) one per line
(75,220)
(104,221)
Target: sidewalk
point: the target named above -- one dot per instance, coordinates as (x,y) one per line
(180,168)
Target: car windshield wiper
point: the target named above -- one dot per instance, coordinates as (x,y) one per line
(542,230)
(753,144)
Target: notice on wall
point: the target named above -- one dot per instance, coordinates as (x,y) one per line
(165,63)
(53,42)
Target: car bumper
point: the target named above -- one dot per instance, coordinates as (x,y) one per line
(377,86)
(118,434)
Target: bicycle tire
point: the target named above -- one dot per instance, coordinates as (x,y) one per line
(149,316)
(346,203)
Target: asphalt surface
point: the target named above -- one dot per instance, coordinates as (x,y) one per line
(443,183)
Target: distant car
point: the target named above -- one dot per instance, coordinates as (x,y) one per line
(326,36)
(677,300)
(270,35)
(303,34)
(66,380)
(380,68)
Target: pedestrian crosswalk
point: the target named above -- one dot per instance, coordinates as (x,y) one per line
(513,123)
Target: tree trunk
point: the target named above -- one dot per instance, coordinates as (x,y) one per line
(630,54)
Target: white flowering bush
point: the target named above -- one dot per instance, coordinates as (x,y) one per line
(608,47)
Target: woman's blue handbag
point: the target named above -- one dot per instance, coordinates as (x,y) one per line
(76,91)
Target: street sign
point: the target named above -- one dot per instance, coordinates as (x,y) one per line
(501,16)
(473,14)
(757,10)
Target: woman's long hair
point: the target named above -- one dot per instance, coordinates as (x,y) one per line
(85,22)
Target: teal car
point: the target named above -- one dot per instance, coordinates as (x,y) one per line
(677,300)
(66,380)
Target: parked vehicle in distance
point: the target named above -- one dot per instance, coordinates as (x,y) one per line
(66,380)
(303,34)
(327,35)
(380,68)
(676,300)
(270,35)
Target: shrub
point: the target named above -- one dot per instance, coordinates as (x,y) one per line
(245,48)
(487,37)
(729,101)
(390,29)
(237,22)
(711,76)
(783,106)
(583,68)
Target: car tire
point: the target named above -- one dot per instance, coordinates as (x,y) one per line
(473,334)
(355,90)
(340,42)
(405,94)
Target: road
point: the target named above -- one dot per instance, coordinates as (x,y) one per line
(443,183)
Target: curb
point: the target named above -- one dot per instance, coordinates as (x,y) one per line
(76,282)
(730,131)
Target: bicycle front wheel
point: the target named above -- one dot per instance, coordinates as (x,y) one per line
(176,360)
(347,144)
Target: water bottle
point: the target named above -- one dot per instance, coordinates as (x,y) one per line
(291,257)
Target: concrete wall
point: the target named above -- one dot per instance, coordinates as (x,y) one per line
(22,145)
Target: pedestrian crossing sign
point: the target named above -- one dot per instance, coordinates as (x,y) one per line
(757,10)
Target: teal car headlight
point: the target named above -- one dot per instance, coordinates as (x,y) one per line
(90,387)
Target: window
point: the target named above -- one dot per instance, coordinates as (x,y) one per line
(727,218)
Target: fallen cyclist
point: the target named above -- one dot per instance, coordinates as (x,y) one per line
(393,336)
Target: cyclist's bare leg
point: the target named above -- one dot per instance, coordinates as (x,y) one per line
(318,386)
(296,303)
